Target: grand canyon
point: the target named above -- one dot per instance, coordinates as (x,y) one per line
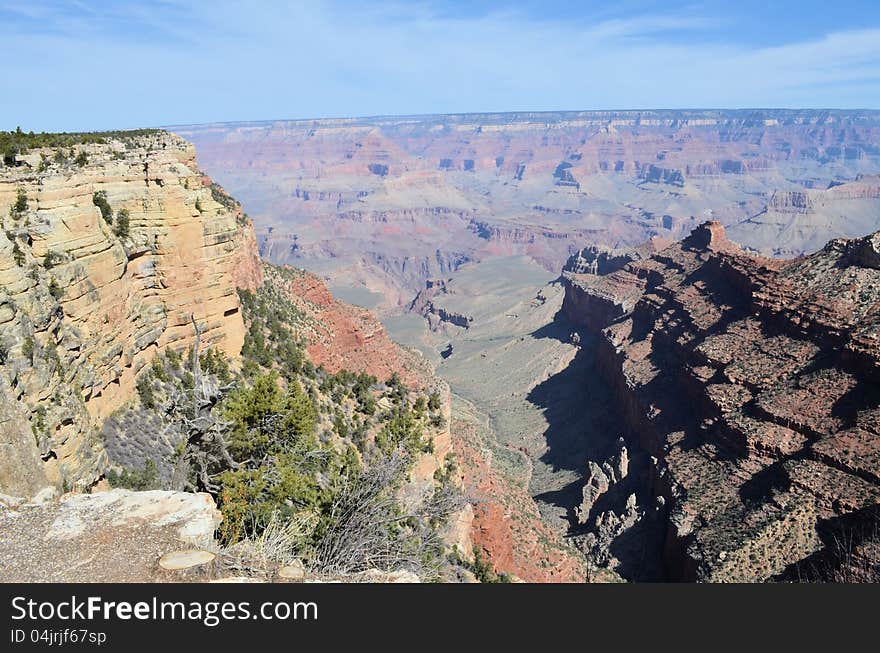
(500,246)
(609,346)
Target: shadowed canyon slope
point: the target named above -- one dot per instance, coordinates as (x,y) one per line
(383,204)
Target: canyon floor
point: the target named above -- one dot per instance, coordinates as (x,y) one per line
(516,372)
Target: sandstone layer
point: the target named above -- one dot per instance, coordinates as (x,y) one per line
(85,303)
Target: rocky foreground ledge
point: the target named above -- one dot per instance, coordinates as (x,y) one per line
(122,536)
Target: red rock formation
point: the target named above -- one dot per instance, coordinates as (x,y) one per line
(342,336)
(753,383)
(507,526)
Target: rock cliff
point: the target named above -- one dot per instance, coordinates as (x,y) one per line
(752,384)
(106,261)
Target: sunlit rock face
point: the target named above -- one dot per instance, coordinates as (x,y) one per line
(84,307)
(752,383)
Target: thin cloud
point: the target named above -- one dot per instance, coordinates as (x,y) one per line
(79,65)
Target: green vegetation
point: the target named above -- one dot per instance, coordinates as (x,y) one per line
(284,445)
(123,222)
(27,349)
(198,206)
(144,387)
(19,142)
(223,198)
(270,341)
(21,204)
(39,426)
(229,203)
(484,571)
(99,199)
(123,217)
(344,476)
(52,259)
(214,362)
(273,429)
(17,254)
(55,290)
(81,159)
(146,478)
(173,358)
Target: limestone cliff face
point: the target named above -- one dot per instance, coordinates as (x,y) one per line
(85,304)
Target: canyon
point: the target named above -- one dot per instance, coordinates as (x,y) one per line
(378,206)
(454,230)
(652,336)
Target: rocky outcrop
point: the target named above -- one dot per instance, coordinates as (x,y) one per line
(602,305)
(437,316)
(598,260)
(752,383)
(343,336)
(87,300)
(597,482)
(113,536)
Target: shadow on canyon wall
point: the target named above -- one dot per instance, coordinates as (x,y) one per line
(583,425)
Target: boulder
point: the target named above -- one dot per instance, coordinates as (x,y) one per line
(293,571)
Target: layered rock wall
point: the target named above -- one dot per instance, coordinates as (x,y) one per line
(752,383)
(85,304)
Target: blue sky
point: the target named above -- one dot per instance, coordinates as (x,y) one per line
(89,64)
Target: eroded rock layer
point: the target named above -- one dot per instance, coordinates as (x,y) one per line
(86,300)
(753,384)
(388,203)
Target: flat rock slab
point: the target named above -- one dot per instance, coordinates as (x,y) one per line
(179,560)
(115,536)
(293,571)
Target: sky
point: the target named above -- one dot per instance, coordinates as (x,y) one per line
(90,64)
